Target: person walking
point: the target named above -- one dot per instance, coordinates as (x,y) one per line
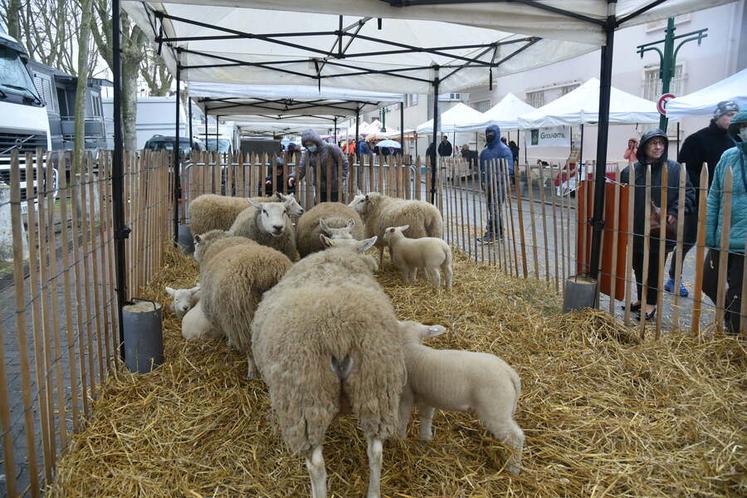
(736,158)
(653,152)
(327,156)
(444,148)
(631,151)
(704,146)
(492,159)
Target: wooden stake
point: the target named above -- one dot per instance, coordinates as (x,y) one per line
(662,247)
(519,205)
(723,257)
(678,252)
(535,256)
(629,249)
(646,244)
(615,240)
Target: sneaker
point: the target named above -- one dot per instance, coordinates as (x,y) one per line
(683,290)
(669,285)
(485,239)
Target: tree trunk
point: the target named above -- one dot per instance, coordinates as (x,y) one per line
(129,103)
(81,90)
(13,13)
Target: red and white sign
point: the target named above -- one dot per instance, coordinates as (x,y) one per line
(661,104)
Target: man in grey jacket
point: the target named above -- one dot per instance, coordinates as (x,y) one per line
(327,157)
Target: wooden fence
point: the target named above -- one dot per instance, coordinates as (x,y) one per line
(60,332)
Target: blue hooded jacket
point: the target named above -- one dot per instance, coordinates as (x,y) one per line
(494,149)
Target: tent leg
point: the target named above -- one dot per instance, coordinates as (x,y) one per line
(177,149)
(402,129)
(357,130)
(434,158)
(581,149)
(605,85)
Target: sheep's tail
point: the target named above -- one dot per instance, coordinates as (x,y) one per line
(341,368)
(516,381)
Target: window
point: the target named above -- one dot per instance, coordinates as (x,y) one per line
(568,88)
(96,106)
(482,105)
(44,87)
(412,99)
(450,97)
(652,82)
(536,99)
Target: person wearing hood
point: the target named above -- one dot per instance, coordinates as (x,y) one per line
(327,156)
(493,159)
(653,152)
(444,148)
(736,158)
(703,146)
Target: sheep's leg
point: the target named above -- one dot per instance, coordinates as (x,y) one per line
(404,272)
(317,473)
(426,422)
(415,274)
(449,276)
(375,458)
(503,427)
(251,370)
(436,278)
(405,410)
(381,257)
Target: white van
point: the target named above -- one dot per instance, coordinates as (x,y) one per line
(24,124)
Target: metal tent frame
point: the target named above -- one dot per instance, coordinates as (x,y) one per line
(343,37)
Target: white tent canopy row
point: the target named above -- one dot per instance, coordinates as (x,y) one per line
(370,45)
(231,99)
(452,119)
(704,101)
(504,114)
(259,124)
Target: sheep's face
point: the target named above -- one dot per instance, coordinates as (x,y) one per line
(289,200)
(391,232)
(184,299)
(272,218)
(203,241)
(415,332)
(337,233)
(360,203)
(359,246)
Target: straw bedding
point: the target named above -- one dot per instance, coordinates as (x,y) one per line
(603,412)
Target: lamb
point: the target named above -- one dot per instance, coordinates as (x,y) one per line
(333,219)
(335,341)
(268,224)
(429,253)
(459,380)
(232,285)
(183,300)
(195,325)
(379,211)
(218,212)
(213,242)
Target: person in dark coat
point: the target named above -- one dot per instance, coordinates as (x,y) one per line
(493,158)
(704,146)
(430,152)
(444,148)
(653,152)
(327,155)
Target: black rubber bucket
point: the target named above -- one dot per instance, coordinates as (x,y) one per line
(580,292)
(143,336)
(185,239)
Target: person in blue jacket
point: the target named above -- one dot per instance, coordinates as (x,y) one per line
(736,158)
(493,159)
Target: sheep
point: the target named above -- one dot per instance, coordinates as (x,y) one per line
(333,219)
(183,300)
(379,211)
(232,286)
(428,253)
(459,380)
(218,212)
(267,224)
(335,341)
(195,325)
(211,243)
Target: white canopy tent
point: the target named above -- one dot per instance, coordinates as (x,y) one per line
(451,120)
(703,102)
(581,106)
(257,124)
(505,114)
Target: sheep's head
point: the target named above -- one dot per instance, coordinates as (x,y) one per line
(183,299)
(272,217)
(362,202)
(203,241)
(289,200)
(358,246)
(391,232)
(337,233)
(415,332)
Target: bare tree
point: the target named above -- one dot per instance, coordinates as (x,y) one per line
(154,72)
(82,84)
(11,12)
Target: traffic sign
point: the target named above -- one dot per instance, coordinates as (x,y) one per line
(661,104)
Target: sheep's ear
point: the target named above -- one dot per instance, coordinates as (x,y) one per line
(195,290)
(323,226)
(254,203)
(197,239)
(326,241)
(280,197)
(433,330)
(404,227)
(170,291)
(358,192)
(351,223)
(366,244)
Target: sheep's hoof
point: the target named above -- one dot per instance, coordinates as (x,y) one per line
(513,469)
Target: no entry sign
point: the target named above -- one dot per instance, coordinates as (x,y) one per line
(661,104)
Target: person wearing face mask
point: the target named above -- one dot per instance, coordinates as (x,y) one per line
(493,158)
(327,156)
(703,146)
(653,151)
(736,158)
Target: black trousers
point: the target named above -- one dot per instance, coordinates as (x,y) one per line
(734,276)
(332,198)
(495,220)
(652,283)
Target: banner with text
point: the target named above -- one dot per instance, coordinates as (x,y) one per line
(558,136)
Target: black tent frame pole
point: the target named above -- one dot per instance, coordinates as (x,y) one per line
(217,133)
(335,139)
(120,230)
(605,85)
(189,104)
(206,128)
(402,129)
(177,150)
(357,130)
(434,158)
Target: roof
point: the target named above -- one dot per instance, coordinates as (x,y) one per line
(450,120)
(504,114)
(703,102)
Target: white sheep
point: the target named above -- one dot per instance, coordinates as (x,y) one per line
(430,254)
(218,212)
(379,211)
(268,224)
(213,242)
(232,284)
(333,219)
(195,325)
(183,299)
(459,380)
(325,337)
